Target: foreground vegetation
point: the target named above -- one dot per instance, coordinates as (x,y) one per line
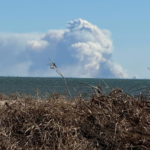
(104,121)
(113,121)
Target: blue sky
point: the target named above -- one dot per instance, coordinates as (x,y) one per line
(108,39)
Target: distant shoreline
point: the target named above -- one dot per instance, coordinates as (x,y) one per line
(75,78)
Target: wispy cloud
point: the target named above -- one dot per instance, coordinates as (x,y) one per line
(82,50)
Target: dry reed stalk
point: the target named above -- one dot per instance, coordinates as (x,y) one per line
(53,66)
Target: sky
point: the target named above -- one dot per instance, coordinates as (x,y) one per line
(85,39)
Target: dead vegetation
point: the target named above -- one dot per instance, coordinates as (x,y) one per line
(105,121)
(113,121)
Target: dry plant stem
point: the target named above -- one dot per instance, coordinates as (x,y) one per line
(53,66)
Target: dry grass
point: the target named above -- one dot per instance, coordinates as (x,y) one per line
(114,121)
(104,121)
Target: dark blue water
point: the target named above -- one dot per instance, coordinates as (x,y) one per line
(29,85)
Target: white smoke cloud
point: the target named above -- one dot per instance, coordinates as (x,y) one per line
(82,50)
(37,45)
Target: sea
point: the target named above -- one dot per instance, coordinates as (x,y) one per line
(45,86)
